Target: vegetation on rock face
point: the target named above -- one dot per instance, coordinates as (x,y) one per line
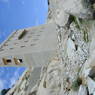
(72,19)
(78,23)
(76,84)
(85,36)
(4,91)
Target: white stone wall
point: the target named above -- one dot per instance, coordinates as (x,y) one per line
(37,46)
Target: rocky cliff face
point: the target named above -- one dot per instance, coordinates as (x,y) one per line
(72,72)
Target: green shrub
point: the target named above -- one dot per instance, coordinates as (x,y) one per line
(76,84)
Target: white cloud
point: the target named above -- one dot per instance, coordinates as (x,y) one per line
(13,80)
(15,77)
(1,84)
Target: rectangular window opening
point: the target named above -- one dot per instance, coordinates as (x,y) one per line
(18,61)
(9,60)
(24,32)
(6,61)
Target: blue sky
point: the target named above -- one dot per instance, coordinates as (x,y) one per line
(9,75)
(17,14)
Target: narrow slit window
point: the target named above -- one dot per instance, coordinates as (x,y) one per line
(22,46)
(22,34)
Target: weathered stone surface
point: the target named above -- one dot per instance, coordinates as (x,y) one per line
(75,26)
(77,8)
(73,93)
(91,85)
(82,90)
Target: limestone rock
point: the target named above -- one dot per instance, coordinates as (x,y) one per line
(70,48)
(92,73)
(73,93)
(82,90)
(91,85)
(88,66)
(75,57)
(76,7)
